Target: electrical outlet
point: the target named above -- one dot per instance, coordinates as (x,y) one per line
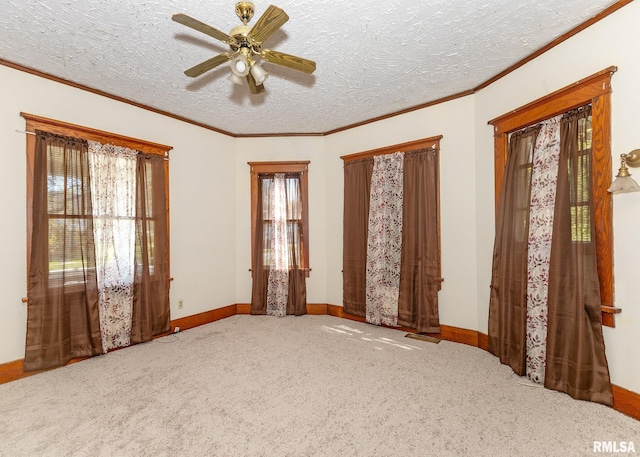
(180,304)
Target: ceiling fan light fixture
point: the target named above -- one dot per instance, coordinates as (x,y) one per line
(240,66)
(246,44)
(258,73)
(235,79)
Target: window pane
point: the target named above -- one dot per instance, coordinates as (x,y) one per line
(585,133)
(294,218)
(64,181)
(149,191)
(580,224)
(66,239)
(580,181)
(267,185)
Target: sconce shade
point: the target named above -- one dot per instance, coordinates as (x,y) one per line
(623,184)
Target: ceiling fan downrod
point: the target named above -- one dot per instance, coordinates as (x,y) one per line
(244,11)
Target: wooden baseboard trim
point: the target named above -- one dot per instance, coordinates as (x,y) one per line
(624,401)
(448,333)
(11,371)
(204,318)
(483,341)
(316,309)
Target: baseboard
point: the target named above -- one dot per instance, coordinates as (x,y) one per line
(455,334)
(624,401)
(204,318)
(12,371)
(483,341)
(316,309)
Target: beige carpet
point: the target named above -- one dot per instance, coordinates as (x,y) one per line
(297,386)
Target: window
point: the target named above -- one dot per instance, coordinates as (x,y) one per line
(69,213)
(76,213)
(596,147)
(297,223)
(419,271)
(580,214)
(98,245)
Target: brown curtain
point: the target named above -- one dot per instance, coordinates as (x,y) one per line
(576,360)
(419,275)
(508,302)
(259,272)
(62,313)
(151,282)
(297,296)
(357,189)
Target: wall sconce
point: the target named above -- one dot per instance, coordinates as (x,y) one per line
(624,182)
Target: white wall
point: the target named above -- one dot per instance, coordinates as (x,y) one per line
(210,188)
(612,41)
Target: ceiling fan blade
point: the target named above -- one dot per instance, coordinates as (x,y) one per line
(208,64)
(201,27)
(253,87)
(287,60)
(269,22)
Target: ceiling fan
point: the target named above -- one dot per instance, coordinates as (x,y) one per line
(246,44)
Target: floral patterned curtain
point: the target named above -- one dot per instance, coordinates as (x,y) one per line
(544,176)
(113,187)
(278,285)
(384,247)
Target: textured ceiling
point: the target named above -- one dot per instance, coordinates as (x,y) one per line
(373,58)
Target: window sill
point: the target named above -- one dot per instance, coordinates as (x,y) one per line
(609,315)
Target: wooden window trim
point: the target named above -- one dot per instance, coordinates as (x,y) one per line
(596,90)
(430,142)
(34,123)
(424,143)
(270,168)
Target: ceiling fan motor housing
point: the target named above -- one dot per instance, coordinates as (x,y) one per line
(244,11)
(240,39)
